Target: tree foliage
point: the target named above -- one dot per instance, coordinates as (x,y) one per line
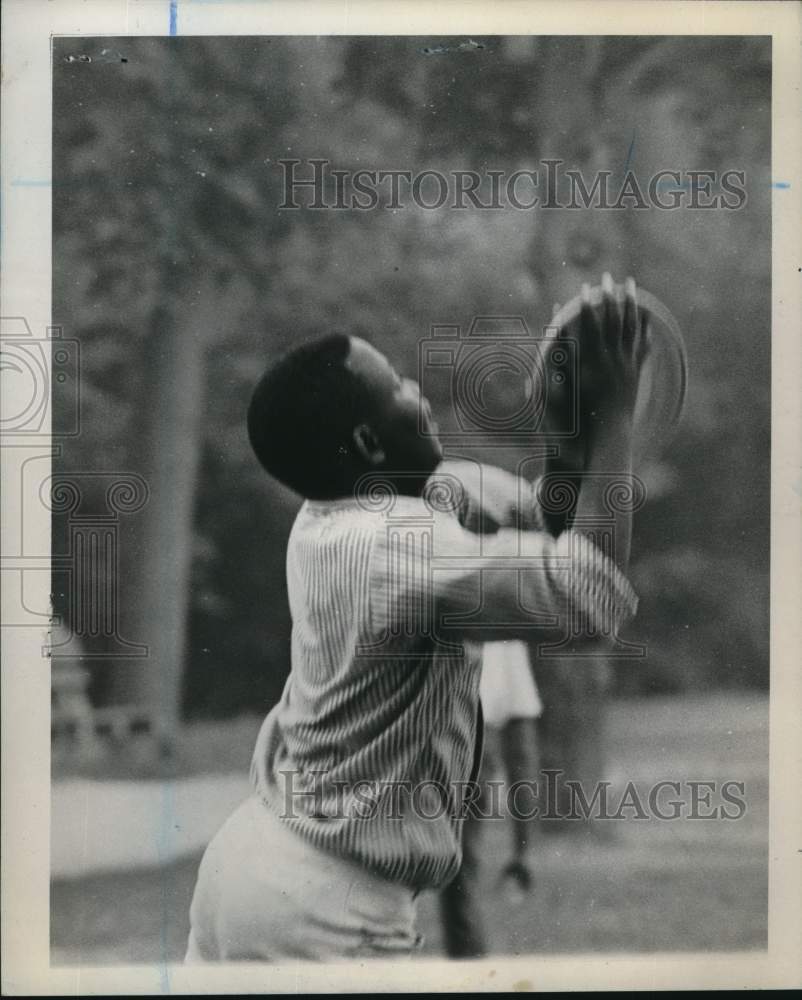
(167,186)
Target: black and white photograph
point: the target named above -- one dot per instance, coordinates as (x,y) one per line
(403,423)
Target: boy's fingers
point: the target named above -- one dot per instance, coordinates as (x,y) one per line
(645,338)
(631,325)
(587,317)
(610,306)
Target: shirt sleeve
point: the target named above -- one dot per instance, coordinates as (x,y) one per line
(431,576)
(492,498)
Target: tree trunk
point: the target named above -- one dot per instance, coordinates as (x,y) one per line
(156,587)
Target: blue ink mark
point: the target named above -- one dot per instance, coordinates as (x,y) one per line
(630,152)
(29,183)
(173,17)
(782,185)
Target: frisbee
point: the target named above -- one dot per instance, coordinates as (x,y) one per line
(664,373)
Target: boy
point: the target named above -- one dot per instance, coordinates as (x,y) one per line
(362,771)
(510,705)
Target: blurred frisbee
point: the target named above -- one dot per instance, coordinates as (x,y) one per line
(664,375)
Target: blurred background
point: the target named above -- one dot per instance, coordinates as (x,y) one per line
(180,278)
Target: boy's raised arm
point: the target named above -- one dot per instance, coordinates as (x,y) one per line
(518,583)
(612,346)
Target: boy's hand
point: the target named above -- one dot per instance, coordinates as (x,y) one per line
(612,340)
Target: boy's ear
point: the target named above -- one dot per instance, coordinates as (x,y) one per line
(367,444)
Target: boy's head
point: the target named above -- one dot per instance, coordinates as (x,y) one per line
(334,409)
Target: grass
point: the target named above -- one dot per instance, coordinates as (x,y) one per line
(649,886)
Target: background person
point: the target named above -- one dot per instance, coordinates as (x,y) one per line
(510,705)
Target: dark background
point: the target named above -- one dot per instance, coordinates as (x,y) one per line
(181,279)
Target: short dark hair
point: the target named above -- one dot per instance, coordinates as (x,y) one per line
(302,415)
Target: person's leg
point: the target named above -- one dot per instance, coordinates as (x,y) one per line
(460,914)
(519,754)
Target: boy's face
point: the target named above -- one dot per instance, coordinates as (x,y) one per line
(401,418)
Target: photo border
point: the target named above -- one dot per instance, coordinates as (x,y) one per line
(25,235)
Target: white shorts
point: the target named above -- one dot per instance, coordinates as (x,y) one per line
(507,686)
(264,894)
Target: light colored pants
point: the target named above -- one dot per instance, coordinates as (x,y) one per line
(265,894)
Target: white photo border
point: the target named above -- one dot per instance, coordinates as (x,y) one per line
(25,231)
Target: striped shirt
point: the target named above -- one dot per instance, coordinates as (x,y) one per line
(370,751)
